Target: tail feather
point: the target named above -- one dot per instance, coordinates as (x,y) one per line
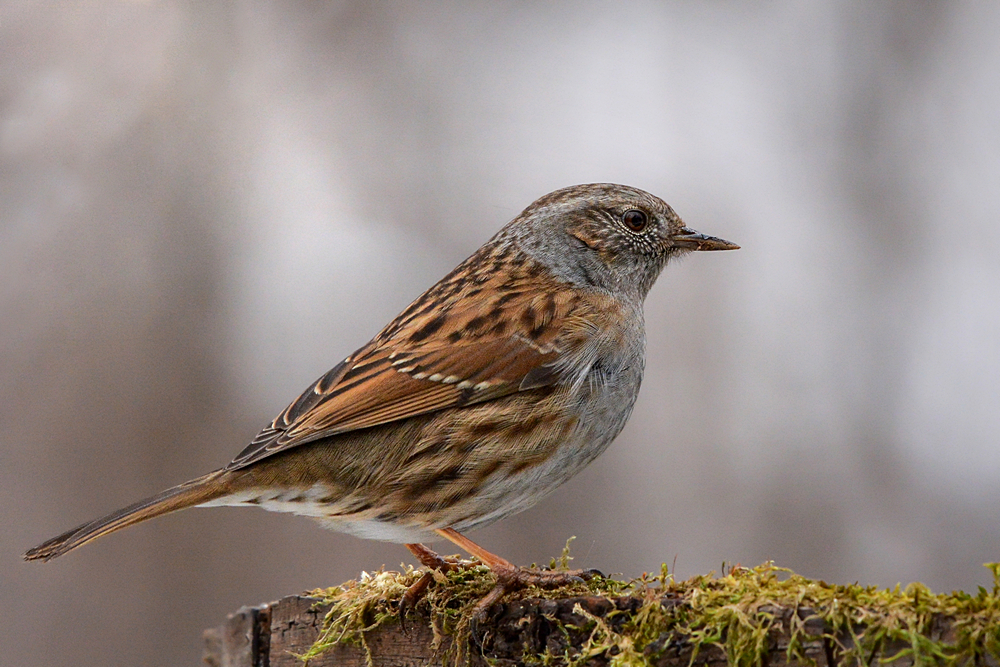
(189,494)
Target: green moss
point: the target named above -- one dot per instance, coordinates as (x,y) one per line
(740,612)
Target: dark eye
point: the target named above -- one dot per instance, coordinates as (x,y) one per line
(635,220)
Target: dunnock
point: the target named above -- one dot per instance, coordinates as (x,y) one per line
(494,387)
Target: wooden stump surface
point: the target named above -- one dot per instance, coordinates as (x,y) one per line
(270,635)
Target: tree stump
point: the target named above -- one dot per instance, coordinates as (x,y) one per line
(747,618)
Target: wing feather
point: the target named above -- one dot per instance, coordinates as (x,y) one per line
(447,349)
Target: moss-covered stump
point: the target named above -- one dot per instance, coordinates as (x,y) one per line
(747,617)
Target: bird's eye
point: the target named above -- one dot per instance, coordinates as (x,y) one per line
(635,220)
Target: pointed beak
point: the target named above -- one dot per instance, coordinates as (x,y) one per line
(688,238)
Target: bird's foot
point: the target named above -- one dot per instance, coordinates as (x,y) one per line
(434,563)
(511,578)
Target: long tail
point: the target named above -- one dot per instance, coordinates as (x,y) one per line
(189,494)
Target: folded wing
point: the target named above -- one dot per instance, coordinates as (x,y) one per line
(448,349)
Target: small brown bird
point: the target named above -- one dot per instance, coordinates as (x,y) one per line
(494,387)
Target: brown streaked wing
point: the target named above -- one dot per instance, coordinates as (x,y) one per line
(306,401)
(480,349)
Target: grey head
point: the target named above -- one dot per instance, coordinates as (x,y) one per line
(612,237)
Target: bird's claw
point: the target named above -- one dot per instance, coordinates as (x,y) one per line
(435,564)
(510,579)
(412,596)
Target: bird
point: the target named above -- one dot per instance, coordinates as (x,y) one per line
(490,390)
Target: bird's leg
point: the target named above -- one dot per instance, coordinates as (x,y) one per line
(510,577)
(489,559)
(432,559)
(428,559)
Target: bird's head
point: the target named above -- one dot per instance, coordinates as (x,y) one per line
(605,235)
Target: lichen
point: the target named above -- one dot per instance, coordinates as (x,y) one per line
(740,612)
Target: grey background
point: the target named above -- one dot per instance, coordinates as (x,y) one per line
(203,206)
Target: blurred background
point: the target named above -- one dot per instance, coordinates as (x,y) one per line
(204,206)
